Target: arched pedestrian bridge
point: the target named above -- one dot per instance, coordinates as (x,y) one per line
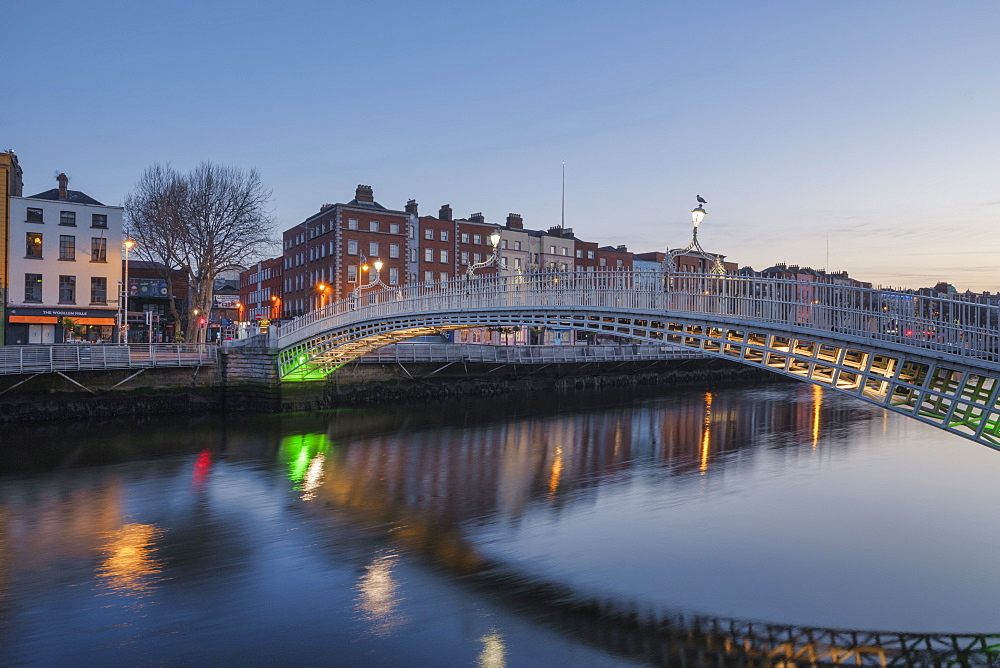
(933,359)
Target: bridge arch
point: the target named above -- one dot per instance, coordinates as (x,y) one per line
(841,338)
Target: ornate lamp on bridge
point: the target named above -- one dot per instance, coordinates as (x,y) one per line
(694,248)
(492,259)
(376,280)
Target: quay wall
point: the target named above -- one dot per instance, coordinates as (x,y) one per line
(246,380)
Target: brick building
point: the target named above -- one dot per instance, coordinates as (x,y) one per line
(261,290)
(336,248)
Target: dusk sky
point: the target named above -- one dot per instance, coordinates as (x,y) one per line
(868,127)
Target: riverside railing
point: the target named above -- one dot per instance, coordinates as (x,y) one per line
(80,357)
(953,325)
(524,354)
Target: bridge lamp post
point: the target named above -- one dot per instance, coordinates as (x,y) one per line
(669,262)
(493,259)
(375,278)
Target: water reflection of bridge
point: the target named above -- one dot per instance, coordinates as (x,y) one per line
(424,491)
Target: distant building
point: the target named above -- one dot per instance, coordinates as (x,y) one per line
(65,267)
(10,186)
(260,290)
(149,293)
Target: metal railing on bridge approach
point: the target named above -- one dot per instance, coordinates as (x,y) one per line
(33,359)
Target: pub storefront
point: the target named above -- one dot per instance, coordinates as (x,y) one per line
(48,325)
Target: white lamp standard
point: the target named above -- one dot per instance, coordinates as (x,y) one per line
(123,300)
(694,248)
(492,259)
(376,279)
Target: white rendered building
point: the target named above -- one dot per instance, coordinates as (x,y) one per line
(65,267)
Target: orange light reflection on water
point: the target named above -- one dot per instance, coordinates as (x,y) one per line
(128,566)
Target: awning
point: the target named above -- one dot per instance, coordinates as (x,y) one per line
(92,321)
(35,319)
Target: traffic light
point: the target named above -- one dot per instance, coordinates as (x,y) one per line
(202,321)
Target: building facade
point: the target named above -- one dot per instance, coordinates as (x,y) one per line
(332,253)
(65,267)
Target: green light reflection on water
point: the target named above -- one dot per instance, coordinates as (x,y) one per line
(297,451)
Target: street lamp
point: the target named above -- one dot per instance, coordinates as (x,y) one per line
(492,259)
(239,311)
(275,307)
(375,280)
(322,288)
(694,248)
(123,301)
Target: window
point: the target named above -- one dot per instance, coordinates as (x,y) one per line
(476,257)
(517,263)
(444,256)
(67,289)
(604,261)
(393,228)
(428,255)
(33,287)
(465,237)
(67,247)
(565,251)
(33,245)
(465,257)
(352,273)
(517,245)
(428,276)
(98,249)
(552,250)
(444,275)
(428,233)
(373,226)
(352,223)
(393,276)
(352,246)
(393,250)
(98,220)
(373,248)
(506,244)
(35,216)
(579,253)
(477,239)
(590,255)
(444,235)
(98,290)
(67,218)
(620,264)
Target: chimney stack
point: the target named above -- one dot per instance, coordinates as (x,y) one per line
(477,218)
(514,221)
(445,212)
(364,194)
(411,206)
(63,183)
(327,207)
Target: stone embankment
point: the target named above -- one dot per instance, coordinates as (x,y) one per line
(246,380)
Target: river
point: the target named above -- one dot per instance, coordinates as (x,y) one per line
(533,530)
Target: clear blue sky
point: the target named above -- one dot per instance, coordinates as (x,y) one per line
(873,125)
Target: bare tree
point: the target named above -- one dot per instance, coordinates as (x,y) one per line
(203,222)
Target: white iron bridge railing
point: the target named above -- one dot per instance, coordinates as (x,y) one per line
(525,354)
(952,325)
(81,357)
